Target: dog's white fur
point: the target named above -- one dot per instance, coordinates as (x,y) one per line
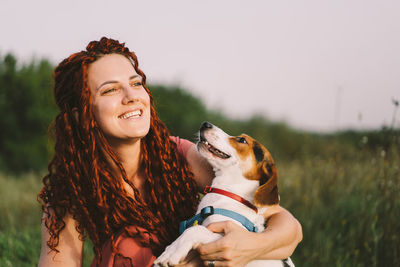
(229,176)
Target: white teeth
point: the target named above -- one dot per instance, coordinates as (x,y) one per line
(135,113)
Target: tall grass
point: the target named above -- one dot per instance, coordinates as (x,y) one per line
(346,198)
(20,222)
(348,205)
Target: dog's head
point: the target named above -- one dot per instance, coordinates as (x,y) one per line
(244,153)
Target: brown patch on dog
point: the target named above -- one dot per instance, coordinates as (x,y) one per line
(243,149)
(267,194)
(257,164)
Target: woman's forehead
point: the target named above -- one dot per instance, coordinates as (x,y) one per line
(110,67)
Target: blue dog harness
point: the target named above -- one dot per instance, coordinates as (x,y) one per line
(209,210)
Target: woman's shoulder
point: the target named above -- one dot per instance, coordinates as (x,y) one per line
(183,145)
(201,169)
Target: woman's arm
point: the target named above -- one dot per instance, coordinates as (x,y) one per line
(239,246)
(70,246)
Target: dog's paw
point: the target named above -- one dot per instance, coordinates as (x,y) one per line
(178,250)
(162,260)
(174,253)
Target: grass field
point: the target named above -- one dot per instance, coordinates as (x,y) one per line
(347,201)
(348,205)
(20,236)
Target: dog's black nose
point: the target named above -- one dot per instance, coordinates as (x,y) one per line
(205,125)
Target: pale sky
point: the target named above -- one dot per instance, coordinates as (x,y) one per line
(318,65)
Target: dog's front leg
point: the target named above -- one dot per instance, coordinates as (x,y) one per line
(189,239)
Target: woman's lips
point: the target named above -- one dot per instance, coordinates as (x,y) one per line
(131,114)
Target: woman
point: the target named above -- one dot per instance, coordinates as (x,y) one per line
(119,178)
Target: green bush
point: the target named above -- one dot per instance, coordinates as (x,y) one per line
(26,101)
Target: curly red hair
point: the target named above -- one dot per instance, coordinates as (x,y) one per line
(80,180)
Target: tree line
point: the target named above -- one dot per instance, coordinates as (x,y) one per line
(28,108)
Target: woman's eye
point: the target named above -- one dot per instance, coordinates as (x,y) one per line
(108,91)
(137,84)
(241,140)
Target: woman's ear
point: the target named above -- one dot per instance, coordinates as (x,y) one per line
(267,194)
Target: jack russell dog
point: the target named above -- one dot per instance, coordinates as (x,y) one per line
(244,187)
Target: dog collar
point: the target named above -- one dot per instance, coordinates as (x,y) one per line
(210,210)
(209,189)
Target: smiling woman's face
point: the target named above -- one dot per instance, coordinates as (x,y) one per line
(121,105)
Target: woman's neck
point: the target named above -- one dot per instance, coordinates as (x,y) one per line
(129,156)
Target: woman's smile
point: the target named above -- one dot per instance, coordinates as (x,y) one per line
(131,114)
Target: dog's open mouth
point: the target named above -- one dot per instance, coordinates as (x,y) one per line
(214,150)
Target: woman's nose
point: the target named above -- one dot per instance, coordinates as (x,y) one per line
(129,95)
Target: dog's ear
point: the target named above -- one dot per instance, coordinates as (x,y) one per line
(267,194)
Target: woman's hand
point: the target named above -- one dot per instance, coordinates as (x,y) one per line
(192,260)
(235,248)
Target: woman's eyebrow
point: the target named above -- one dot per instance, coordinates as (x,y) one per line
(135,76)
(112,81)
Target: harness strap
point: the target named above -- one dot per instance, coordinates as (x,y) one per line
(209,210)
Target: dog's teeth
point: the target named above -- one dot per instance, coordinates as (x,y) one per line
(215,151)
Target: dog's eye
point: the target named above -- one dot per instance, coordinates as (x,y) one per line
(241,140)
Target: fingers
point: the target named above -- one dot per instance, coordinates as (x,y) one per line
(218,250)
(210,248)
(191,255)
(218,256)
(217,227)
(192,260)
(222,227)
(224,250)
